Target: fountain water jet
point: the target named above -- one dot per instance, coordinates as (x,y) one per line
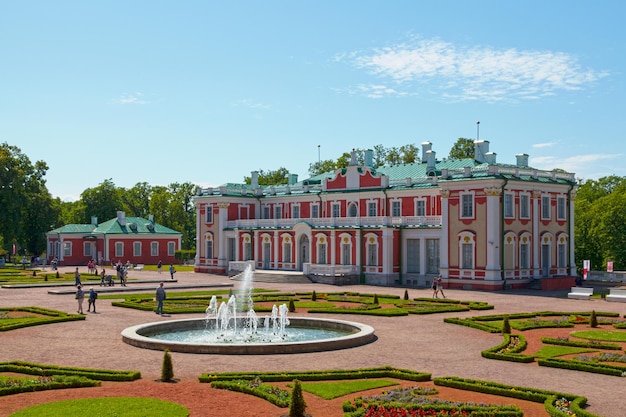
(233,328)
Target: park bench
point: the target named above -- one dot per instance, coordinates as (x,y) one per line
(580,293)
(616,295)
(138,267)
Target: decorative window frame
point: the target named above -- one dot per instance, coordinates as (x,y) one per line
(462,196)
(561,207)
(525,239)
(321,243)
(286,242)
(524,206)
(352,209)
(154,248)
(372,208)
(295,210)
(208,214)
(119,249)
(335,209)
(467,238)
(209,250)
(171,248)
(396,207)
(509,205)
(371,249)
(420,205)
(345,239)
(315,207)
(137,248)
(546,206)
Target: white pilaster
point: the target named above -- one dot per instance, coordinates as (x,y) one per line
(536,241)
(444,243)
(223,221)
(494,233)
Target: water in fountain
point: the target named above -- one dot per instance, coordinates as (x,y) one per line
(236,320)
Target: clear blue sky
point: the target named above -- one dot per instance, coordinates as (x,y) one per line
(207,91)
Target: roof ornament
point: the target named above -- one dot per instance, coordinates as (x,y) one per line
(353,161)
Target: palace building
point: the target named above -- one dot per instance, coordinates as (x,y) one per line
(478,223)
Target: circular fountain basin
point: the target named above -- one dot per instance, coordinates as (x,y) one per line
(351,334)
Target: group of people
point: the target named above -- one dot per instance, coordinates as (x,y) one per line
(80,297)
(437,287)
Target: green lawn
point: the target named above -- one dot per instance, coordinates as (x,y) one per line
(551,351)
(106,407)
(331,390)
(604,335)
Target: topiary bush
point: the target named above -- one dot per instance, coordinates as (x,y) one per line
(167,370)
(506,326)
(297,406)
(292,306)
(593,320)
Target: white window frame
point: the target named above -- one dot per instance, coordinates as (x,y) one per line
(353,210)
(119,249)
(396,208)
(278,211)
(137,248)
(208,247)
(154,248)
(346,249)
(546,201)
(171,248)
(467,253)
(315,211)
(295,211)
(371,258)
(561,208)
(67,249)
(208,214)
(267,212)
(420,207)
(467,206)
(87,248)
(372,208)
(509,205)
(524,251)
(335,209)
(287,246)
(561,252)
(524,206)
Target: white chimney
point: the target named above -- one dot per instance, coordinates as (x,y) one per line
(369,158)
(94,220)
(426,146)
(254,179)
(522,160)
(121,218)
(481,148)
(490,157)
(431,162)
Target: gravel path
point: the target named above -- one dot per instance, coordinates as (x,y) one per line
(421,343)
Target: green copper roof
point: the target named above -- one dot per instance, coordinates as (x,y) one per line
(134,225)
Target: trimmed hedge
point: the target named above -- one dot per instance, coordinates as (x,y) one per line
(580,343)
(511,355)
(51,316)
(54,382)
(47,370)
(573,364)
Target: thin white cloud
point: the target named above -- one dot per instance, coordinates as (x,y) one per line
(544,145)
(253,104)
(475,73)
(135,98)
(576,163)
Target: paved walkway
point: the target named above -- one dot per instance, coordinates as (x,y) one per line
(421,343)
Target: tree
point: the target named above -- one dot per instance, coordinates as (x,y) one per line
(463,148)
(321,167)
(297,405)
(136,200)
(103,202)
(409,153)
(277,177)
(28,209)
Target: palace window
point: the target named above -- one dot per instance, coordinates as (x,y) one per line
(315,211)
(209,247)
(321,253)
(524,206)
(545,207)
(508,205)
(466,250)
(432,256)
(208,210)
(396,208)
(119,249)
(154,248)
(335,210)
(413,256)
(287,251)
(372,209)
(171,248)
(295,211)
(467,206)
(136,248)
(352,210)
(420,208)
(278,211)
(560,208)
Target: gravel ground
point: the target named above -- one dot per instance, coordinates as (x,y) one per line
(421,343)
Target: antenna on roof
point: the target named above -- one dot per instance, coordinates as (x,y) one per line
(478,130)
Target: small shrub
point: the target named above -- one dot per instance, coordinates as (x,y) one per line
(376,299)
(406,295)
(506,326)
(593,320)
(314,296)
(292,306)
(297,406)
(57,274)
(167,370)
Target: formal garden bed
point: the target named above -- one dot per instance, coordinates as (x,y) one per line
(599,348)
(18,317)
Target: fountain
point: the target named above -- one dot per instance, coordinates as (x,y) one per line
(233,327)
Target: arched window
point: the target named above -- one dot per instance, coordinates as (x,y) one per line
(346,249)
(561,250)
(322,249)
(208,246)
(510,242)
(287,245)
(524,250)
(353,210)
(371,249)
(467,243)
(247,246)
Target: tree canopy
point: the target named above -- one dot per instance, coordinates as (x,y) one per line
(463,148)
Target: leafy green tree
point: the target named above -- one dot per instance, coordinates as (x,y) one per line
(409,153)
(27,208)
(463,148)
(103,202)
(136,200)
(277,177)
(321,167)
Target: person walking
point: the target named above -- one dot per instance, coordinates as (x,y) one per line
(172,271)
(160,296)
(93,296)
(80,297)
(77,278)
(440,286)
(159,266)
(434,287)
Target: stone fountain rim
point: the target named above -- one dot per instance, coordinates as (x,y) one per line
(364,334)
